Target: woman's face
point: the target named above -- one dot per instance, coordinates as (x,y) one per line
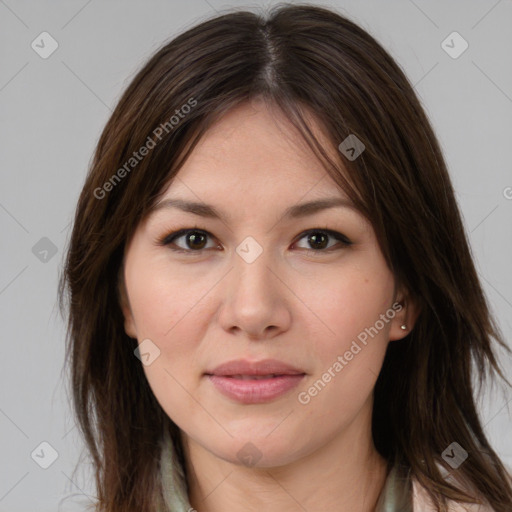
(251,285)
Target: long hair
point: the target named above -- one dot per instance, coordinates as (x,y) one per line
(311,63)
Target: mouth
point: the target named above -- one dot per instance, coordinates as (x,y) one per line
(252,377)
(254,382)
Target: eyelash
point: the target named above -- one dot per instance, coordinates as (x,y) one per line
(168,239)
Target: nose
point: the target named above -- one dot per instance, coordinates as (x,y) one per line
(255,299)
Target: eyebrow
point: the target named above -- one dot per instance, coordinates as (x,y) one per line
(293,212)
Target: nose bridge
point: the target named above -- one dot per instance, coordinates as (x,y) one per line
(253,268)
(255,297)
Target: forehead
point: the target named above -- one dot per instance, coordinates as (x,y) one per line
(254,147)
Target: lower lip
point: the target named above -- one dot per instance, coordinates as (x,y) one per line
(255,391)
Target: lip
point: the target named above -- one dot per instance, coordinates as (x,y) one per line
(233,380)
(254,368)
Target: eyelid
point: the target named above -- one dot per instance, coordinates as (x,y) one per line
(169,238)
(332,233)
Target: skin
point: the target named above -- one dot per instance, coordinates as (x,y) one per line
(303,308)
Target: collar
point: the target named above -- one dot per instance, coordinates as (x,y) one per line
(397,493)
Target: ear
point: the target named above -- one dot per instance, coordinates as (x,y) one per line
(407,311)
(129,323)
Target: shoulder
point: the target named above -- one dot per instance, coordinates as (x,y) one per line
(423,503)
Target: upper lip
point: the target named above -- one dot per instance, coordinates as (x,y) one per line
(264,367)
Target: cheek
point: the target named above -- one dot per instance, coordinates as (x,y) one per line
(350,347)
(162,300)
(346,307)
(164,305)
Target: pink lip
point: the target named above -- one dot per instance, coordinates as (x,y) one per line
(255,391)
(227,379)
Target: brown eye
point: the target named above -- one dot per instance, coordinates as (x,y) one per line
(194,240)
(318,239)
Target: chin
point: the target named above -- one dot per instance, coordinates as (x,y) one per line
(257,452)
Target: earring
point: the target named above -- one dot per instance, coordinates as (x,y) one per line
(403,327)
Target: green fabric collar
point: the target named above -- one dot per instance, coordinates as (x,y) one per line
(396,495)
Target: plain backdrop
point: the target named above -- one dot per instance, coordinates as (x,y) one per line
(52,111)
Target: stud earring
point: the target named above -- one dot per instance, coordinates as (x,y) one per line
(403,327)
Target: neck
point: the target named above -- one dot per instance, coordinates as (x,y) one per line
(346,474)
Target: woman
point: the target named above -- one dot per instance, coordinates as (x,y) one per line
(272,300)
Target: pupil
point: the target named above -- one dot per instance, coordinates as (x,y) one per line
(195,238)
(314,240)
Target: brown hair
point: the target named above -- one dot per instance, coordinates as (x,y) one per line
(303,60)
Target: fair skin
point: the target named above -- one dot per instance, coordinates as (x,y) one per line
(305,308)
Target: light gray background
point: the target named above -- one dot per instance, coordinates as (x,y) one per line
(53,110)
